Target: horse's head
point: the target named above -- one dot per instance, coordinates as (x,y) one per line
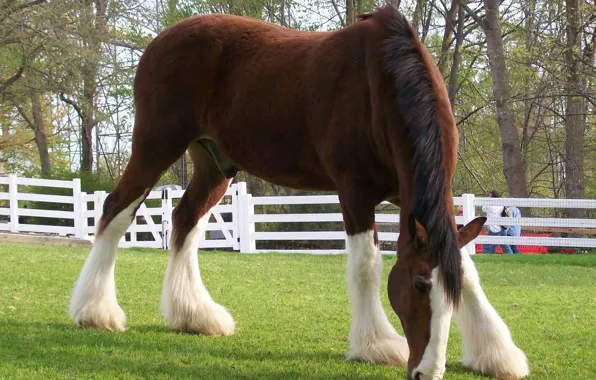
(417,295)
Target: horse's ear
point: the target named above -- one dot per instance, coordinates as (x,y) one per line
(470,231)
(363,16)
(417,231)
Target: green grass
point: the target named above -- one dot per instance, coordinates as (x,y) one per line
(291,311)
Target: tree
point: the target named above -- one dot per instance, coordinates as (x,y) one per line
(91,32)
(575,113)
(37,124)
(512,160)
(29,38)
(15,38)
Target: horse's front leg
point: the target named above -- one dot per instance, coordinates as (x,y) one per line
(372,337)
(488,346)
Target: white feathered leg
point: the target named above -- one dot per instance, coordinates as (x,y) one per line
(488,346)
(93,301)
(372,337)
(185,302)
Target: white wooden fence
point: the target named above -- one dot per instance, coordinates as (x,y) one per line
(235,223)
(80,212)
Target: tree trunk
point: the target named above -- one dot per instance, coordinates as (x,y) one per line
(182,175)
(349,12)
(513,167)
(87,117)
(426,21)
(575,110)
(41,139)
(96,16)
(449,26)
(418,15)
(529,9)
(459,37)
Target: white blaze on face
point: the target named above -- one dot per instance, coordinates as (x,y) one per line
(432,365)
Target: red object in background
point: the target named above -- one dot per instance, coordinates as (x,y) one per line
(526,249)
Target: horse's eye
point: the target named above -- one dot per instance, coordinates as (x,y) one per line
(421,284)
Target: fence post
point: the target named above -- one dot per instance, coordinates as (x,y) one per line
(469,215)
(241,218)
(98,200)
(132,229)
(77,206)
(252,244)
(346,242)
(235,212)
(166,218)
(84,219)
(246,227)
(13,202)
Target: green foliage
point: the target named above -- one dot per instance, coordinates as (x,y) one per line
(65,47)
(534,45)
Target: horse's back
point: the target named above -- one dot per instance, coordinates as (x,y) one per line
(206,53)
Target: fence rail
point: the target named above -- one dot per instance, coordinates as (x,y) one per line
(60,207)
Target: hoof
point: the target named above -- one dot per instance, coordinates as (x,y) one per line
(211,319)
(421,376)
(507,364)
(389,350)
(103,315)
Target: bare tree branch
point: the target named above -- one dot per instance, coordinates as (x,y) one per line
(341,19)
(472,174)
(8,10)
(470,114)
(125,44)
(23,115)
(5,84)
(72,103)
(472,14)
(9,41)
(22,6)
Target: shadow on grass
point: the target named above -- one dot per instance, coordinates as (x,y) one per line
(458,368)
(156,351)
(151,351)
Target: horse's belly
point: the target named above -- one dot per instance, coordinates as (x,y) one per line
(280,164)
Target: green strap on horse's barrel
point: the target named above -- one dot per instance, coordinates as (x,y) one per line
(224,164)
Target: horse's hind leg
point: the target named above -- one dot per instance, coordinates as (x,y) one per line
(93,301)
(185,301)
(372,337)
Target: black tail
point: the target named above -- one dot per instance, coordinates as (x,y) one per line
(417,105)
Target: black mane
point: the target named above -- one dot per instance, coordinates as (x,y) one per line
(417,104)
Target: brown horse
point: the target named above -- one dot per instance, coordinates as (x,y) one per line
(362,111)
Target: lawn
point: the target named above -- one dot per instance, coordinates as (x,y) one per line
(291,311)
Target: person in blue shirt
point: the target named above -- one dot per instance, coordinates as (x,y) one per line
(513,230)
(493,229)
